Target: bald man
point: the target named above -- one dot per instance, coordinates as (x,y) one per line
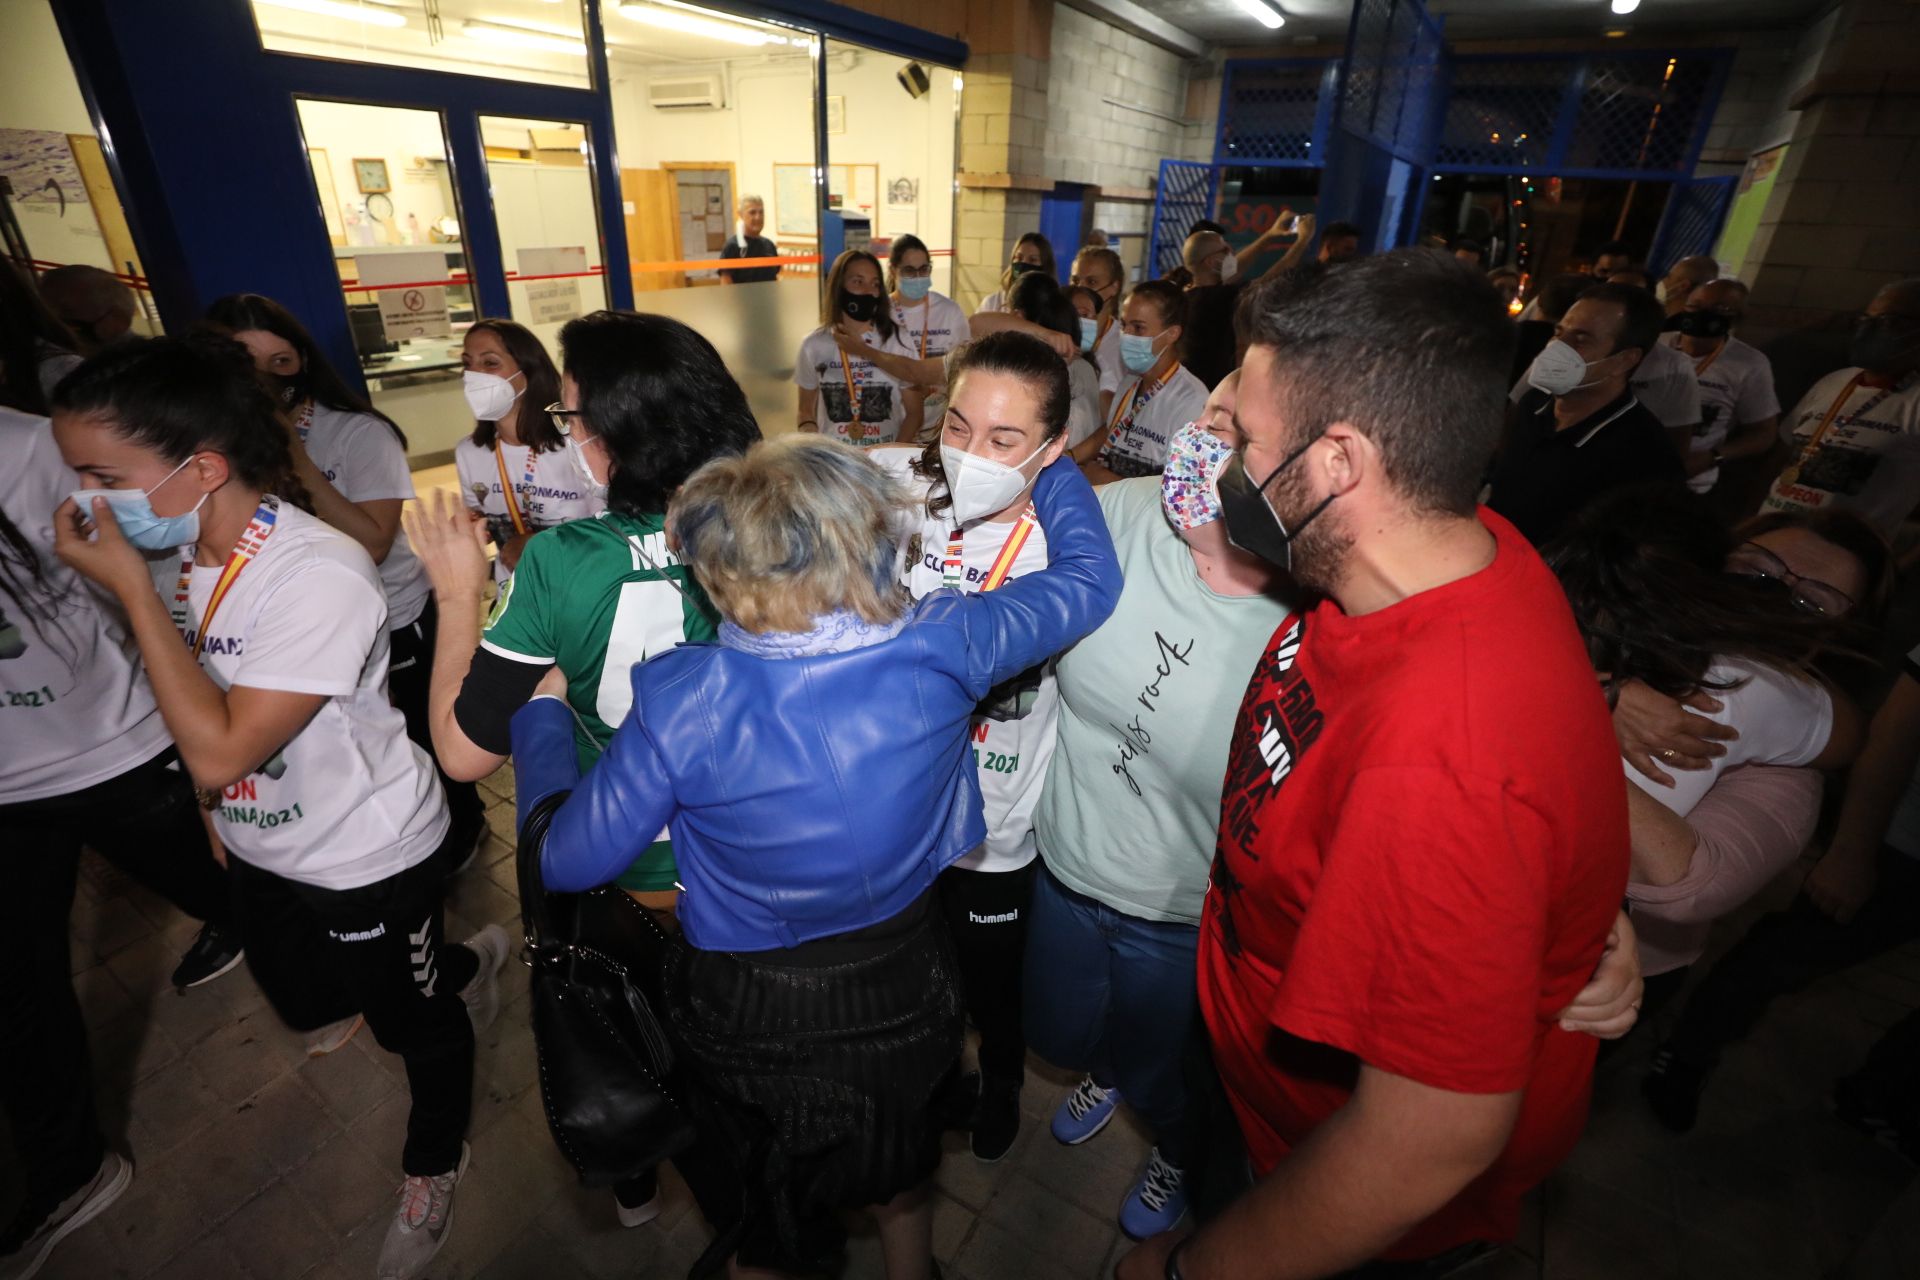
(1855,436)
(92,303)
(1738,412)
(1683,277)
(1208,341)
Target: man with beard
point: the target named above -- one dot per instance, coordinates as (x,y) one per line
(1417,866)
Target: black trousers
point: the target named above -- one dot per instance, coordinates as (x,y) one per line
(321,955)
(987,916)
(409,673)
(146,822)
(1785,951)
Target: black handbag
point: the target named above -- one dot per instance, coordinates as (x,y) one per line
(605,1060)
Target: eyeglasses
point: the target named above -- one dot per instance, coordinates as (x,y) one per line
(560,413)
(915,273)
(1751,560)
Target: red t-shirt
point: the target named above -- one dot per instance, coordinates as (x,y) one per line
(1423,845)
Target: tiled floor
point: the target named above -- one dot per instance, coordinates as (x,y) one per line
(256,1162)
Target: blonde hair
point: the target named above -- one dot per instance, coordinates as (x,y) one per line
(792,529)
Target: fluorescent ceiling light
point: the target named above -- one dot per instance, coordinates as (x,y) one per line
(1625,7)
(368,14)
(1269,17)
(694,24)
(499,33)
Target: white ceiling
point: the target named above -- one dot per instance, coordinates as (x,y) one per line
(1225,22)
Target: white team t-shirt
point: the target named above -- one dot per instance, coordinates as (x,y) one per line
(75,707)
(995,301)
(1010,756)
(1137,444)
(364,460)
(1735,389)
(1782,720)
(1868,461)
(874,411)
(1106,354)
(350,800)
(547,486)
(1083,418)
(930,329)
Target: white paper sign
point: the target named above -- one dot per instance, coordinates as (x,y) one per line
(553,301)
(564,260)
(419,311)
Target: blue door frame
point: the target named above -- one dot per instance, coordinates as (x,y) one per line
(200,129)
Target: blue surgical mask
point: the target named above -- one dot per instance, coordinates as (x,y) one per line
(595,488)
(914,288)
(1089,333)
(139,524)
(1137,353)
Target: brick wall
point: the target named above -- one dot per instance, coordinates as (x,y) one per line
(1089,139)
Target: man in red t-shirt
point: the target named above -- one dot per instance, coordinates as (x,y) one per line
(1422,851)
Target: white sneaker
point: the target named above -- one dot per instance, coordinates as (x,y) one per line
(421,1223)
(648,1209)
(83,1206)
(483,993)
(334,1035)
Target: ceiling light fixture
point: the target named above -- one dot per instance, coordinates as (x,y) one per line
(500,33)
(1269,17)
(694,24)
(368,14)
(1625,7)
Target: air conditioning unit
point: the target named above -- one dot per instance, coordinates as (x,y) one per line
(686,91)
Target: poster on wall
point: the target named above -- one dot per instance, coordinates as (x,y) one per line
(553,301)
(1743,215)
(793,211)
(40,164)
(418,310)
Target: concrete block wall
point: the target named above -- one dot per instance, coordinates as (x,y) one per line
(1844,216)
(1091,139)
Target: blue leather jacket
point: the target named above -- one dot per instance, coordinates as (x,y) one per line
(810,796)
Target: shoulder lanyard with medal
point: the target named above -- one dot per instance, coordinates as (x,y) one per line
(953,572)
(244,552)
(1700,367)
(506,485)
(1131,406)
(1791,475)
(303,424)
(856,430)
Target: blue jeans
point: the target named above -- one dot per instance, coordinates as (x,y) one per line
(1113,995)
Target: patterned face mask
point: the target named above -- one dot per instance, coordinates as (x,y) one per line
(1189,484)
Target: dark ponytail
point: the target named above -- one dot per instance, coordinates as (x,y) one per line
(1018,355)
(179,396)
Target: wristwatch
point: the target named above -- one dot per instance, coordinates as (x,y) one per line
(1173,1261)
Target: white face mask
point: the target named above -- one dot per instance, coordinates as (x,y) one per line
(980,486)
(1229,267)
(1557,370)
(488,395)
(595,488)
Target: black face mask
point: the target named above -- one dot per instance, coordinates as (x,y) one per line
(1252,523)
(292,387)
(1021,268)
(1703,324)
(1876,344)
(860,307)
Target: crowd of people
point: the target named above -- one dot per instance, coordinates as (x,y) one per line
(1254,691)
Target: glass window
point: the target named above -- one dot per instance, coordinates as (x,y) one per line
(709,109)
(543,203)
(386,189)
(536,41)
(890,149)
(62,205)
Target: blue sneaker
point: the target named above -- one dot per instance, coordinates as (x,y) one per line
(1157,1202)
(1085,1112)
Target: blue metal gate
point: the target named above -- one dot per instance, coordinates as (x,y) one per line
(1696,210)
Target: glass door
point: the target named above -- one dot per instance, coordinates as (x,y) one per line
(549,223)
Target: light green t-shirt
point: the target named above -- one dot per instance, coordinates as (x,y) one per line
(584,599)
(1147,707)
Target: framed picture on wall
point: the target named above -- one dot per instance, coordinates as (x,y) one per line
(371,175)
(836,115)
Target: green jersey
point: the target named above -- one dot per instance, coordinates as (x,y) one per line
(594,597)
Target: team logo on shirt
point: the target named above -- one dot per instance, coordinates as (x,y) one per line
(1278,724)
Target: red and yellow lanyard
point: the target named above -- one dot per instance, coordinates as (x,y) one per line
(953,572)
(1142,392)
(506,485)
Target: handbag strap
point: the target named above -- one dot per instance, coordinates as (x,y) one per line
(536,911)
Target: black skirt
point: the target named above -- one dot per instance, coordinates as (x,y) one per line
(811,1073)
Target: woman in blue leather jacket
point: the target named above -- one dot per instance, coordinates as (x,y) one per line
(813,768)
